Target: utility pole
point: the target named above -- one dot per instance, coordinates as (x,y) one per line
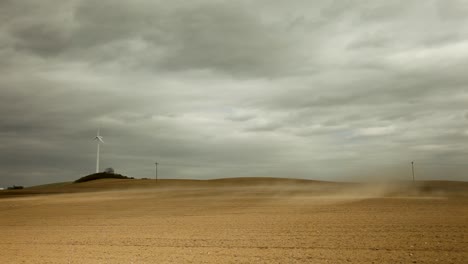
(156,170)
(412,168)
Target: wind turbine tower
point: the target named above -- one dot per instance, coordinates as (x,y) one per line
(99,140)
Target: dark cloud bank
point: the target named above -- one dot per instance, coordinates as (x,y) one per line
(330,90)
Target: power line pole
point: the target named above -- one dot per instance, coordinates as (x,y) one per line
(156,170)
(412,168)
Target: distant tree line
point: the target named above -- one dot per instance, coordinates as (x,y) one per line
(101,175)
(15,187)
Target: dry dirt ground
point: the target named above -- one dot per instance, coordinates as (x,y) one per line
(235,221)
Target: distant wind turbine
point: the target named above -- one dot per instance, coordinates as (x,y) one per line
(99,140)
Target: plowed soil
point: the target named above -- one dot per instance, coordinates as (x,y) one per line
(266,221)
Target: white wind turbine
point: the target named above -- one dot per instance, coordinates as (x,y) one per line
(99,140)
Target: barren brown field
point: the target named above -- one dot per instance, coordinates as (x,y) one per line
(235,221)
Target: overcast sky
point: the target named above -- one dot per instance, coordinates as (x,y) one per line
(327,90)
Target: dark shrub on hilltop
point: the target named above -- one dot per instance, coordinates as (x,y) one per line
(14,187)
(101,175)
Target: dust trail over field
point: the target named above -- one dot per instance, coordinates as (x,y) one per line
(237,221)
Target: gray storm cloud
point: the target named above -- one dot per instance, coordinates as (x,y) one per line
(331,90)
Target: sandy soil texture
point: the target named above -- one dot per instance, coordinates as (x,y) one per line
(237,222)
